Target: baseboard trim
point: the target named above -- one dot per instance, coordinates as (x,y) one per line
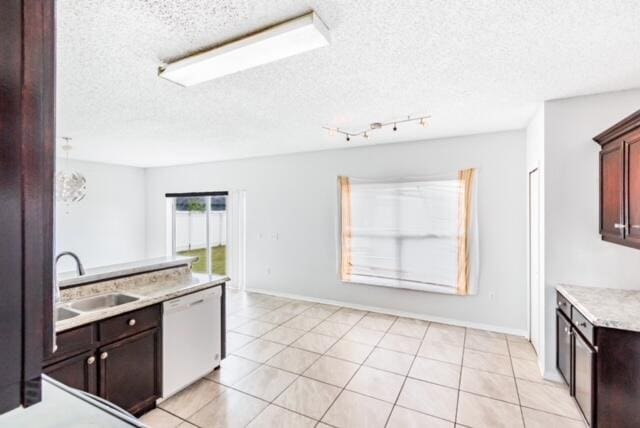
(479,326)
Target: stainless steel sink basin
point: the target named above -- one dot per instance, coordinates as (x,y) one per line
(102,302)
(65,314)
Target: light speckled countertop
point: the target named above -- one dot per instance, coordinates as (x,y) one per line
(150,288)
(605,307)
(104,273)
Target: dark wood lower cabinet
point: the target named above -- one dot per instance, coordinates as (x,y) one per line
(78,372)
(135,358)
(601,365)
(119,359)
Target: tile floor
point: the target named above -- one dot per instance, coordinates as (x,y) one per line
(299,364)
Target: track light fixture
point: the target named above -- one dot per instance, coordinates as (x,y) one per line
(365,133)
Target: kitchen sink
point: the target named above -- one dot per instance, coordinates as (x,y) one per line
(65,314)
(102,302)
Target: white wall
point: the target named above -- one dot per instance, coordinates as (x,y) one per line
(292,221)
(574,251)
(108,225)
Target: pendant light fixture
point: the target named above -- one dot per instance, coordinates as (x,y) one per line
(71,186)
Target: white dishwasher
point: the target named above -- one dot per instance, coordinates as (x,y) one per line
(191,332)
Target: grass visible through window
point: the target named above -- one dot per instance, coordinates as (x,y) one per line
(218,259)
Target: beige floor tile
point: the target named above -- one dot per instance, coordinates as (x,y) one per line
(293,360)
(236,321)
(391,361)
(158,418)
(266,382)
(347,316)
(332,370)
(483,412)
(529,370)
(547,398)
(274,416)
(354,410)
(376,383)
(450,327)
(485,333)
(236,341)
(252,312)
(374,321)
(364,335)
(429,398)
(445,336)
(309,397)
(522,350)
(398,343)
(259,350)
(295,307)
(329,328)
(351,351)
(232,369)
(405,418)
(513,338)
(489,384)
(320,312)
(231,409)
(487,344)
(494,363)
(255,328)
(188,401)
(302,322)
(440,352)
(434,371)
(537,419)
(186,424)
(277,317)
(284,335)
(315,342)
(409,327)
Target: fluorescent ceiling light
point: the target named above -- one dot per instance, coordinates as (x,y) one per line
(289,38)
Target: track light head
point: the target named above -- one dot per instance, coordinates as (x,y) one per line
(395,127)
(348,138)
(365,134)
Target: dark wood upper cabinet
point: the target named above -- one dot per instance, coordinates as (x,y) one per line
(620,182)
(27,131)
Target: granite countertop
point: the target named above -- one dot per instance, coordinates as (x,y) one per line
(68,279)
(169,286)
(605,307)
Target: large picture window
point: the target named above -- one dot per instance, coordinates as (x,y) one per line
(199,225)
(419,234)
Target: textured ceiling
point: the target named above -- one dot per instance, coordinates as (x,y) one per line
(475,66)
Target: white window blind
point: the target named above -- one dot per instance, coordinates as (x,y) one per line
(410,233)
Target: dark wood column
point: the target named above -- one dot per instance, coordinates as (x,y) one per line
(27,138)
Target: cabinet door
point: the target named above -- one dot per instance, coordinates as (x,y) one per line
(563,337)
(583,376)
(612,191)
(130,371)
(633,187)
(77,372)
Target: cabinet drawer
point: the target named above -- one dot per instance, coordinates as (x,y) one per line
(72,342)
(581,324)
(129,323)
(563,304)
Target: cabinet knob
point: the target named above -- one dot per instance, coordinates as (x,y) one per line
(104,355)
(132,322)
(91,360)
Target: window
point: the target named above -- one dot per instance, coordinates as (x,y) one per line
(199,225)
(416,233)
